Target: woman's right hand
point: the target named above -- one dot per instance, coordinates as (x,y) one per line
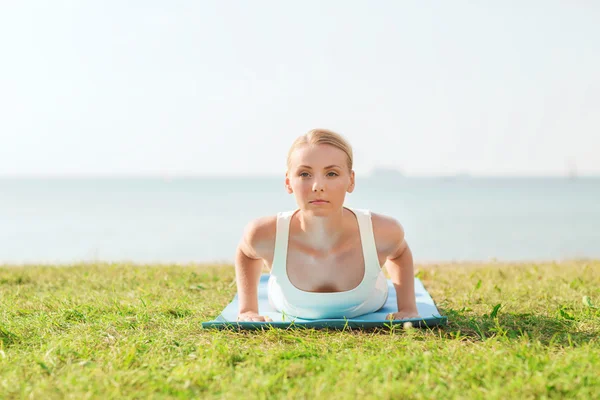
(252,316)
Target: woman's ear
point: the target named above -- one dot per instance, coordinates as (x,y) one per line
(288,185)
(351,186)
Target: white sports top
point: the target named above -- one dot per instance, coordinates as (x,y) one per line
(369,296)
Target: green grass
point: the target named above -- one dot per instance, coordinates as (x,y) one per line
(134,331)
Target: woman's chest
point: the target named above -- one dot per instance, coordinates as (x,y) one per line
(322,273)
(318,271)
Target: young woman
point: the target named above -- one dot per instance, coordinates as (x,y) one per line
(325,259)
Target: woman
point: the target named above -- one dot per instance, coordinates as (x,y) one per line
(324,258)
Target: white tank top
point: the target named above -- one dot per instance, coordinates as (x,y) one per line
(369,296)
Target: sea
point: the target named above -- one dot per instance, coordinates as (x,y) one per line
(201,219)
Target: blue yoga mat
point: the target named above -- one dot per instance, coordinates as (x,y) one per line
(428,312)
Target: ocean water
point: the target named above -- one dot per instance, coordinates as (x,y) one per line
(202,219)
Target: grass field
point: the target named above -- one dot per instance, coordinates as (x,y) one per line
(133,331)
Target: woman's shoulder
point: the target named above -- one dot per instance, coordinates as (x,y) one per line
(382,220)
(259,235)
(382,224)
(262,226)
(388,232)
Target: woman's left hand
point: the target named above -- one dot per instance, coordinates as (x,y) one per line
(403,315)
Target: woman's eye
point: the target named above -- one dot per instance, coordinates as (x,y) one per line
(305,174)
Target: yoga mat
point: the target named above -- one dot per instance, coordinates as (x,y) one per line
(428,312)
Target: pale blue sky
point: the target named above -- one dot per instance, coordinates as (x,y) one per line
(222,88)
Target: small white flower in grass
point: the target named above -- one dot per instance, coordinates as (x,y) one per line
(407,325)
(109,339)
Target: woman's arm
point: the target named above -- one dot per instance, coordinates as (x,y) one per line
(401,270)
(248,268)
(390,241)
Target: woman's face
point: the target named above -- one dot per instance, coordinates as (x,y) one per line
(319,172)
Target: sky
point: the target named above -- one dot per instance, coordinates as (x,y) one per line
(218,88)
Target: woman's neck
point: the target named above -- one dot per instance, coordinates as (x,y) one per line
(321,232)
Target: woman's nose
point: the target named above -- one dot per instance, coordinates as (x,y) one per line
(318,185)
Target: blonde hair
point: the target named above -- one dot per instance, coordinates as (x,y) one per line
(323,136)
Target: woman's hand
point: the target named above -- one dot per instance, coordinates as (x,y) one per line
(402,315)
(252,316)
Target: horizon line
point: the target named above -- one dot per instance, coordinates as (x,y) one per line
(258,176)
